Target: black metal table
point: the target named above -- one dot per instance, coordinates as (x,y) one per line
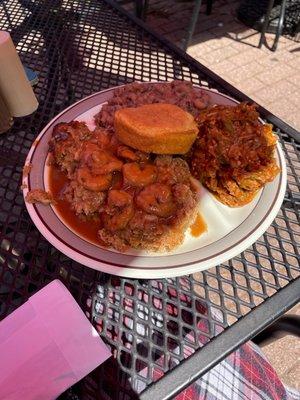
(80,47)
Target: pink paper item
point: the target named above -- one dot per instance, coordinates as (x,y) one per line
(46,346)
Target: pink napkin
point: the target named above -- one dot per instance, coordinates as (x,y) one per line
(46,346)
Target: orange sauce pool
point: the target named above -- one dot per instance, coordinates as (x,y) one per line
(85,228)
(88,228)
(199,226)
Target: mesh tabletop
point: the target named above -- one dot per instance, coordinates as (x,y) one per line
(78,48)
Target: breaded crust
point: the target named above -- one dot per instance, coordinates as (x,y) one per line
(156,128)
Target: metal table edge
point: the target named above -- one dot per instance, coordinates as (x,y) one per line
(292,132)
(206,357)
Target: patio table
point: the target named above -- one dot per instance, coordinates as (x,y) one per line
(152,326)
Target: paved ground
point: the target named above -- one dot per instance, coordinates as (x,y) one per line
(230,48)
(272,79)
(284,355)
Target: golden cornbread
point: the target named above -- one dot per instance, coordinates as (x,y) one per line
(156,128)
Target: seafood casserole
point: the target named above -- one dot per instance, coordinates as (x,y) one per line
(137,199)
(127,196)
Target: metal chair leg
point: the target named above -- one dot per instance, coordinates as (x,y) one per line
(145,9)
(139,6)
(209,7)
(192,24)
(279,27)
(266,23)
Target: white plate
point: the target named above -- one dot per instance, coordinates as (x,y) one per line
(230,230)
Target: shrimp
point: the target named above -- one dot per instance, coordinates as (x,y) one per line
(119,210)
(127,153)
(101,138)
(88,148)
(99,161)
(156,199)
(139,175)
(105,163)
(95,183)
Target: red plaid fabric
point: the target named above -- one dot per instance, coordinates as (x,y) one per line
(244,375)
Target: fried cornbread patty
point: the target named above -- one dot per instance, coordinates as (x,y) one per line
(156,128)
(233,155)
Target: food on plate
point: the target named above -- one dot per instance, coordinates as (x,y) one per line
(66,142)
(156,128)
(199,226)
(134,180)
(138,200)
(26,170)
(179,93)
(39,196)
(233,155)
